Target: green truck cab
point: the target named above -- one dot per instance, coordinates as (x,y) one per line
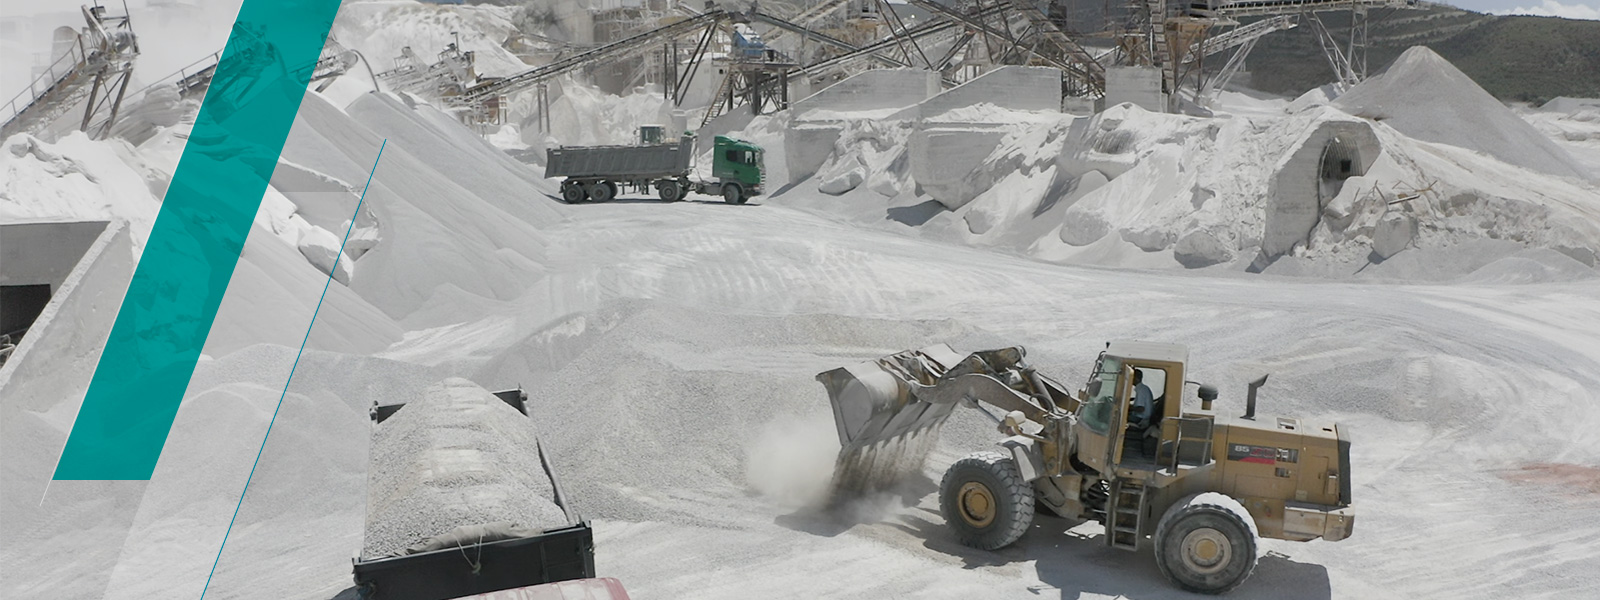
(739,168)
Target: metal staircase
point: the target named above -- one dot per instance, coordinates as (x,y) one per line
(613,51)
(1088,68)
(721,100)
(94,69)
(1125,513)
(1160,56)
(1241,35)
(1246,8)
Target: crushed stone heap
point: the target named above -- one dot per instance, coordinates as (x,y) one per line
(1423,96)
(457,457)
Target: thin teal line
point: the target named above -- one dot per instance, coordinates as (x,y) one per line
(296,365)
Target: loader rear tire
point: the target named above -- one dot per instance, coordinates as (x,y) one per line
(985,501)
(1207,543)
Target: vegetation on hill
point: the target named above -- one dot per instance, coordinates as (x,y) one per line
(1529,59)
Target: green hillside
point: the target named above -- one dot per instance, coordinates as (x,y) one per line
(1528,59)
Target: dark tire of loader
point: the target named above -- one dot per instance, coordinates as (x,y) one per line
(1207,543)
(985,502)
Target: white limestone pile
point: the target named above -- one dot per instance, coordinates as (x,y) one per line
(456,457)
(1424,96)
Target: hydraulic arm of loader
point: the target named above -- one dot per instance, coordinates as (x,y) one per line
(888,411)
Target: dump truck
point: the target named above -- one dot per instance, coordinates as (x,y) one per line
(1199,487)
(599,173)
(496,559)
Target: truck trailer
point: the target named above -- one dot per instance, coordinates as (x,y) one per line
(599,173)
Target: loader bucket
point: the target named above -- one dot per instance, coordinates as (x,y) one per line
(885,430)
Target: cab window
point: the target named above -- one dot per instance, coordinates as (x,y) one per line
(1155,381)
(1096,412)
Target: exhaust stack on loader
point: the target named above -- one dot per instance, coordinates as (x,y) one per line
(1200,487)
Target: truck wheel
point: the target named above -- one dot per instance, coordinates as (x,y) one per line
(601,191)
(669,190)
(732,193)
(1207,543)
(985,501)
(573,193)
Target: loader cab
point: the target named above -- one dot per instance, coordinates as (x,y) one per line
(1106,437)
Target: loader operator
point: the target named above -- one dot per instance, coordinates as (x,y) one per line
(1143,401)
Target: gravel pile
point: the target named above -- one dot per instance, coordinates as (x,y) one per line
(668,398)
(1424,96)
(456,457)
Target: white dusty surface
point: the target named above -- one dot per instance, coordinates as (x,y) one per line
(701,341)
(669,351)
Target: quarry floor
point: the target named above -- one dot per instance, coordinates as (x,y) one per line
(1474,408)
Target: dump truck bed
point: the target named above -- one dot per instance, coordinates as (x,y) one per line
(669,160)
(462,500)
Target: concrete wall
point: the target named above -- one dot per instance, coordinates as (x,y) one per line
(806,146)
(943,153)
(875,89)
(1297,193)
(1139,85)
(41,388)
(60,350)
(44,252)
(943,157)
(1012,87)
(816,125)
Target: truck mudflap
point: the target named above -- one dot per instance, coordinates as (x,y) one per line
(1304,522)
(554,555)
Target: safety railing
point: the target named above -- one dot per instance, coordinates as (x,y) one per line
(1198,428)
(1245,8)
(58,70)
(203,67)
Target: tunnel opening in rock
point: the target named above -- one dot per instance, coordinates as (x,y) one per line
(1341,160)
(38,258)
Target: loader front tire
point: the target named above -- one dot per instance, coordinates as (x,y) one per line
(985,501)
(1207,543)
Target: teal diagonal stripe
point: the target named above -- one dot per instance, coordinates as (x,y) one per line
(195,244)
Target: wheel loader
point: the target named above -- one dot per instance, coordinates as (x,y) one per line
(1198,487)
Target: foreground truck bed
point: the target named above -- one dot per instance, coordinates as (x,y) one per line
(481,553)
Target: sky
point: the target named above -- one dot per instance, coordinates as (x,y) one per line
(1571,9)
